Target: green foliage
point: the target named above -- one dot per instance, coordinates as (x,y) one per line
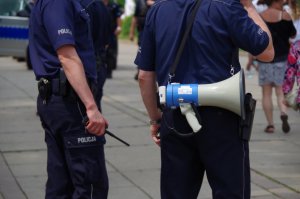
(121,3)
(126,22)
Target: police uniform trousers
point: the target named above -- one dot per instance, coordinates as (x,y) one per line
(75,163)
(101,78)
(112,54)
(217,150)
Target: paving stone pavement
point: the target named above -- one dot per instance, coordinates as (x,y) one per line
(133,171)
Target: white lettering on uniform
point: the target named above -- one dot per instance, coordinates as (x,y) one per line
(64,31)
(260,31)
(86,139)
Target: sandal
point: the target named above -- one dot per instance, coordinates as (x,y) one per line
(285,124)
(269,129)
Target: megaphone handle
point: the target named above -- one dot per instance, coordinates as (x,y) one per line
(193,122)
(187,110)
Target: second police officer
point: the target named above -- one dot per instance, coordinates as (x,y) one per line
(210,53)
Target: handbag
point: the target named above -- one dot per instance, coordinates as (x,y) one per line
(291,97)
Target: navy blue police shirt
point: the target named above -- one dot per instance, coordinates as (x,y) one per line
(53,24)
(219,29)
(100,24)
(115,12)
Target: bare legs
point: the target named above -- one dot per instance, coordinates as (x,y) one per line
(267,103)
(280,97)
(268,107)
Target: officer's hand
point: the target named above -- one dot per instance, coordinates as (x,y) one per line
(154,128)
(118,30)
(97,123)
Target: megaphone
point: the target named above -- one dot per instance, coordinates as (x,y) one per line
(228,94)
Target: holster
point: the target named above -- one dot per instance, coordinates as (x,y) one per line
(44,88)
(247,123)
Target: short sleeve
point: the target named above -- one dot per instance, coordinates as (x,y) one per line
(145,58)
(137,8)
(58,21)
(245,33)
(118,11)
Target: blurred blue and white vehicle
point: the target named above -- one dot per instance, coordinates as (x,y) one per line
(14,29)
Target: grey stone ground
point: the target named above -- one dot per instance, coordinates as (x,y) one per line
(133,171)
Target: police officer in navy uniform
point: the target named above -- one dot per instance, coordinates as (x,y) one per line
(138,18)
(116,28)
(219,29)
(101,33)
(138,22)
(27,9)
(65,66)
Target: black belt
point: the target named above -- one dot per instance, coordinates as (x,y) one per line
(56,87)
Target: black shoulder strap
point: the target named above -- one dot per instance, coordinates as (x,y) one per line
(184,38)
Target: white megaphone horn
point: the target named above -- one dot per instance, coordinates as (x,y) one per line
(228,94)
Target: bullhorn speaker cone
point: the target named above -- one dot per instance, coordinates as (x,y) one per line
(228,94)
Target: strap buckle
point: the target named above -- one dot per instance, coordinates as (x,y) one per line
(171,75)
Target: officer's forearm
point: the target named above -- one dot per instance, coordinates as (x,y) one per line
(119,26)
(76,76)
(119,22)
(148,89)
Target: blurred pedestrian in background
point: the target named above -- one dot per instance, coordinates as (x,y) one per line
(27,9)
(251,59)
(271,74)
(138,21)
(295,7)
(292,73)
(116,28)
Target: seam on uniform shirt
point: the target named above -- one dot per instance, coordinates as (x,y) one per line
(224,2)
(158,2)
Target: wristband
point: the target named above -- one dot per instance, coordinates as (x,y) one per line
(155,122)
